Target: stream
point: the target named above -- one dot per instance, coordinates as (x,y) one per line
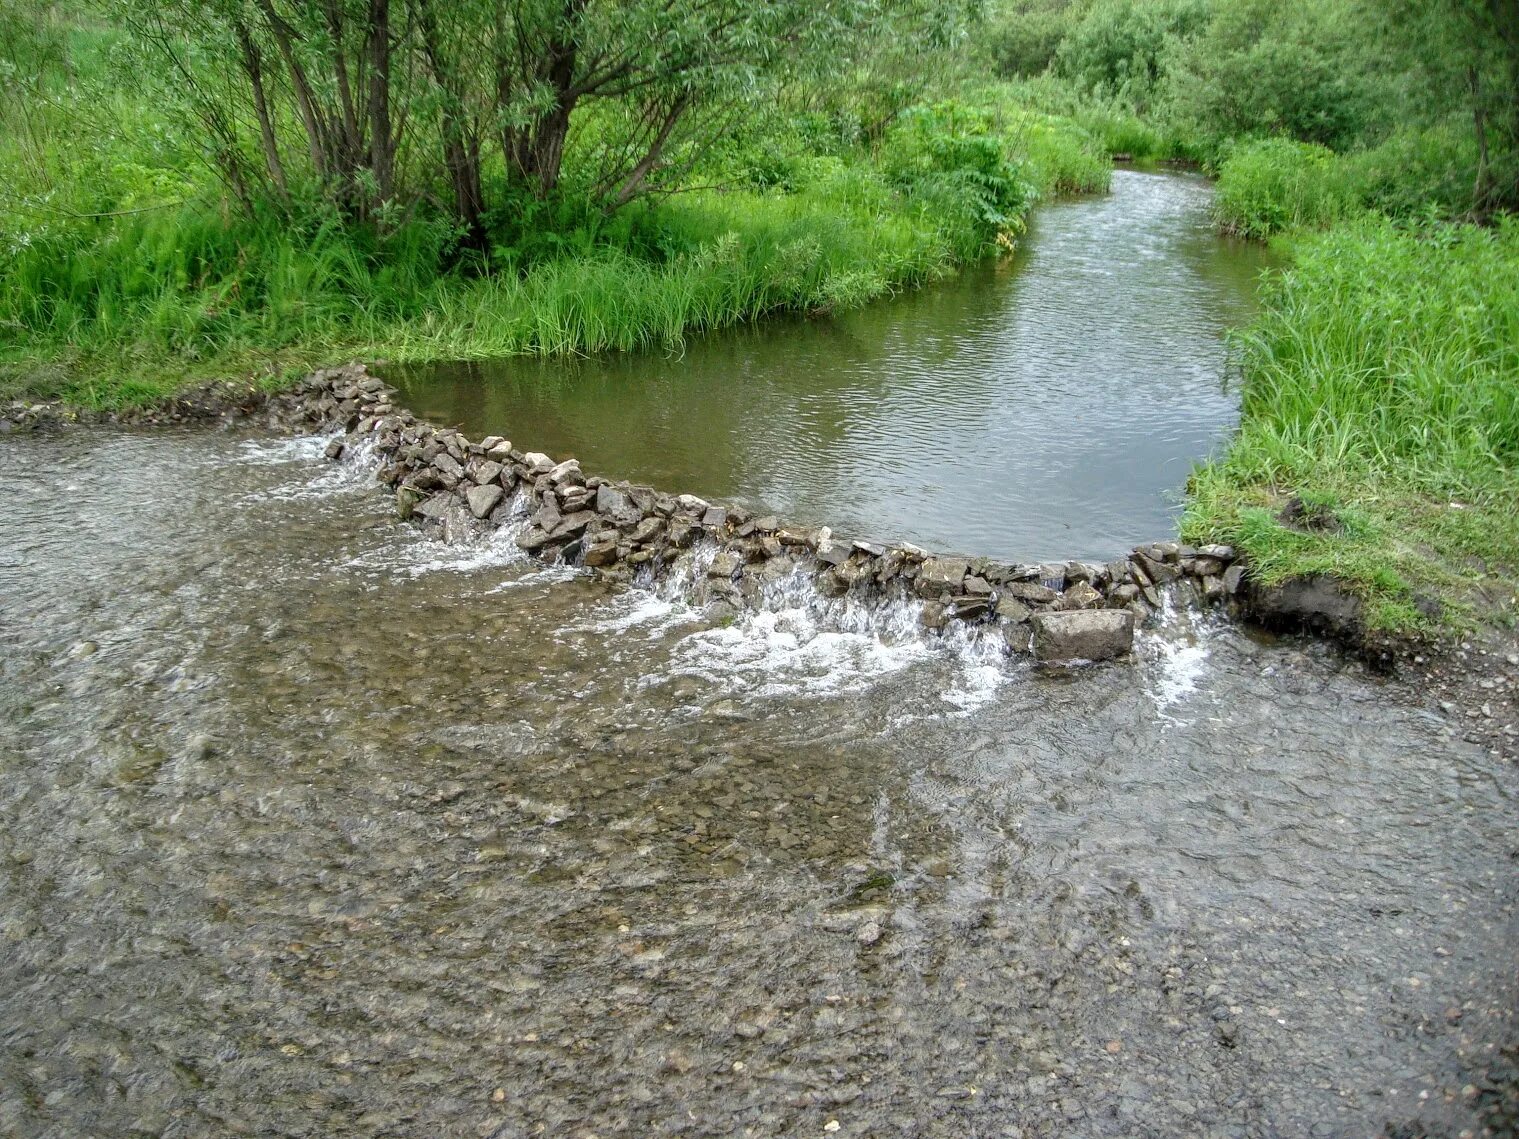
(1041,407)
(315,826)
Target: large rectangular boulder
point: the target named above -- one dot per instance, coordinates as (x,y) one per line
(1083,634)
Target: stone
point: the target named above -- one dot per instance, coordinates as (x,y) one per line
(487,471)
(715,518)
(335,449)
(1079,596)
(548,515)
(613,502)
(572,524)
(1081,571)
(537,462)
(724,565)
(1011,609)
(534,538)
(1213,589)
(1234,579)
(500,452)
(647,530)
(449,469)
(977,586)
(483,499)
(941,575)
(1085,634)
(1156,572)
(691,504)
(794,538)
(566,473)
(1222,553)
(970,608)
(1017,637)
(1030,592)
(407,500)
(873,549)
(435,507)
(1124,595)
(601,554)
(1203,566)
(833,553)
(831,584)
(934,616)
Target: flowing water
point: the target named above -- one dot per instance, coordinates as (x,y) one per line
(1041,408)
(316,827)
(313,826)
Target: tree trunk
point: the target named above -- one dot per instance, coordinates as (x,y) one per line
(254,66)
(382,145)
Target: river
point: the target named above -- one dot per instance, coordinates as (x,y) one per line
(314,826)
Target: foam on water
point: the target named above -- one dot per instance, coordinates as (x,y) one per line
(1175,655)
(312,476)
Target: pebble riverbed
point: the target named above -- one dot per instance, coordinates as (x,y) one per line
(316,826)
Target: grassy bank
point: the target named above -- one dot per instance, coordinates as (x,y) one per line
(1380,434)
(129,272)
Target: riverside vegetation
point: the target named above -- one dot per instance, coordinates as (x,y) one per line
(1377,144)
(194,190)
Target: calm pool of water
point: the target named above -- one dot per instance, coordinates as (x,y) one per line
(1045,407)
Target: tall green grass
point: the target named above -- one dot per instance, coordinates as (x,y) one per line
(91,304)
(1381,388)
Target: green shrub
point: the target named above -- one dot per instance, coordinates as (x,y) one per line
(1274,184)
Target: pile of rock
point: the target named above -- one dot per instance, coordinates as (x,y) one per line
(1073,610)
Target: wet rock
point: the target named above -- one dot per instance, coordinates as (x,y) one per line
(483,499)
(714,518)
(614,503)
(833,553)
(335,449)
(1079,596)
(977,586)
(1087,634)
(450,471)
(1234,579)
(831,584)
(567,473)
(1018,638)
(1155,571)
(548,515)
(941,575)
(934,617)
(572,524)
(724,565)
(601,554)
(1124,595)
(1213,589)
(407,500)
(435,507)
(971,608)
(1009,608)
(647,530)
(1030,592)
(533,539)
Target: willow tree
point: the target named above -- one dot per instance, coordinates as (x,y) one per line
(381,104)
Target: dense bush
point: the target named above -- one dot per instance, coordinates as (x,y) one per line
(1274,184)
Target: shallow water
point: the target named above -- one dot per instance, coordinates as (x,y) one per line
(314,827)
(1042,408)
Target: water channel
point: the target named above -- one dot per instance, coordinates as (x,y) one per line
(1042,407)
(314,826)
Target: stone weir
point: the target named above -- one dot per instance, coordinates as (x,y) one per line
(457,486)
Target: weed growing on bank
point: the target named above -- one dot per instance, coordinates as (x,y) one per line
(1380,430)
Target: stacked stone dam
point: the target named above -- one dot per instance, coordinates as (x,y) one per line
(1067,611)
